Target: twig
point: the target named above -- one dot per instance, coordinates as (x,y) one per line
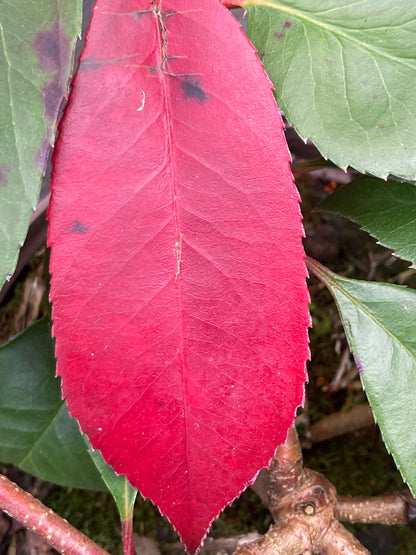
(338,540)
(390,508)
(286,471)
(338,382)
(340,423)
(30,512)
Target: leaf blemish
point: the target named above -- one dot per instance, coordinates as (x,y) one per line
(192,89)
(178,246)
(52,95)
(4,172)
(92,63)
(358,365)
(52,48)
(141,107)
(140,13)
(279,35)
(78,227)
(42,156)
(161,23)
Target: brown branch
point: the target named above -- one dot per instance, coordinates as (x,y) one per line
(285,539)
(330,426)
(338,540)
(340,423)
(310,532)
(30,512)
(302,503)
(286,470)
(389,508)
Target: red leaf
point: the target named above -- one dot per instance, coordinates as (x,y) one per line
(178,277)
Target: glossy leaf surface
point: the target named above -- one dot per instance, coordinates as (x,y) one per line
(178,278)
(345,75)
(36,432)
(379,322)
(36,48)
(385,209)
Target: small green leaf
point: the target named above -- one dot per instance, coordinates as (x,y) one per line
(386,210)
(124,494)
(36,432)
(380,324)
(345,76)
(37,41)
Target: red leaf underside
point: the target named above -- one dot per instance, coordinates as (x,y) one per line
(178,277)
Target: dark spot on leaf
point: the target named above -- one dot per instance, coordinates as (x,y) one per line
(4,172)
(192,89)
(53,94)
(140,13)
(52,48)
(78,227)
(92,63)
(43,155)
(278,35)
(358,365)
(381,126)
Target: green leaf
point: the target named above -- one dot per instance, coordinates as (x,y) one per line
(124,494)
(345,76)
(36,432)
(380,324)
(386,210)
(37,41)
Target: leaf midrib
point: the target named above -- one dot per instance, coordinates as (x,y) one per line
(41,434)
(362,308)
(328,28)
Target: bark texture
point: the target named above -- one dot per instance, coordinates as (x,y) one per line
(303,504)
(30,512)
